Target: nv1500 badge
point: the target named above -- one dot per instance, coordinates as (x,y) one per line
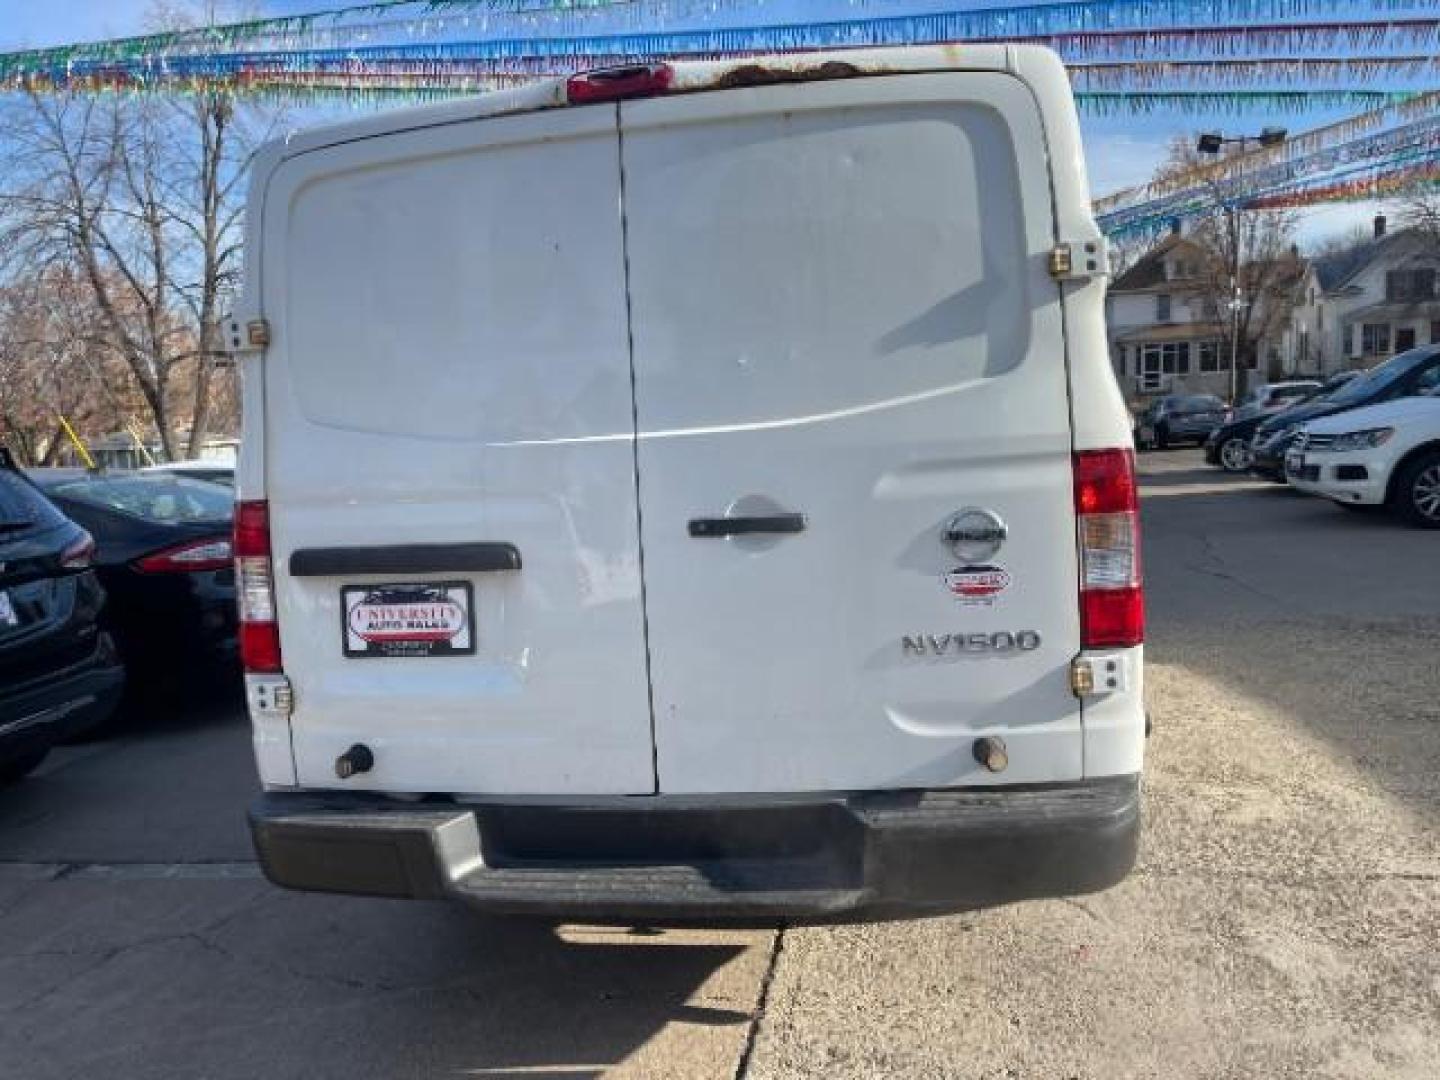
(994,644)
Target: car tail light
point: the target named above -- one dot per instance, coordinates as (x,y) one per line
(1112,599)
(80,555)
(612,84)
(255,587)
(212,554)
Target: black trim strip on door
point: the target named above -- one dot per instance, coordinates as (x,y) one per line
(404,559)
(742,526)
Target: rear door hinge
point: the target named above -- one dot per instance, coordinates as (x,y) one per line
(246,337)
(1079,260)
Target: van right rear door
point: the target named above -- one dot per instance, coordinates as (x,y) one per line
(845,335)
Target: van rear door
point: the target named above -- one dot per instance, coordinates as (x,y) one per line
(449,448)
(845,334)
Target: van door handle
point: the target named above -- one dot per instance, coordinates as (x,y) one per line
(740,526)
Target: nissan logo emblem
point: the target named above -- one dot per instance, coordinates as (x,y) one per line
(974,535)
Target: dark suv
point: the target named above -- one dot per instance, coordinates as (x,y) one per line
(59,673)
(1178,418)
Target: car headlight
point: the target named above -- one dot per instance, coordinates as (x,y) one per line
(1362,440)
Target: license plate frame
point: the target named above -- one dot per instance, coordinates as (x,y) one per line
(407,620)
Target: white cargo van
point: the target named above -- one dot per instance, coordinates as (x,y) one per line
(692,491)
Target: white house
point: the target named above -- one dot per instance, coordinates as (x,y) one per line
(1367,303)
(1344,310)
(1165,334)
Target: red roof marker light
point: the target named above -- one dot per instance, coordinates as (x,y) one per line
(615,83)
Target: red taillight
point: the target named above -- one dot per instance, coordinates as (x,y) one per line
(211,554)
(612,84)
(254,588)
(80,555)
(1112,599)
(252,528)
(260,646)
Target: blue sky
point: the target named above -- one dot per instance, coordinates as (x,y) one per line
(1120,150)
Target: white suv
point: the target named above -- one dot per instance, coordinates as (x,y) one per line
(1385,454)
(689,491)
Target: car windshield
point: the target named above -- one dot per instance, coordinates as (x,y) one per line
(1202,403)
(165,499)
(1369,382)
(22,508)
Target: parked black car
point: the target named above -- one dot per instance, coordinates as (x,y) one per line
(1178,418)
(1412,372)
(59,672)
(163,555)
(1229,444)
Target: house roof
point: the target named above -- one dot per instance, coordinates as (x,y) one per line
(1335,269)
(1338,268)
(1396,311)
(1160,333)
(1149,270)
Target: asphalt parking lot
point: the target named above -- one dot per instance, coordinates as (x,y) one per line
(1283,921)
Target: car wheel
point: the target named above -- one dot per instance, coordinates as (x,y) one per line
(1417,491)
(1234,455)
(16,768)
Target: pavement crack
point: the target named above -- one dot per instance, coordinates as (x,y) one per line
(752,1033)
(1081,905)
(1219,569)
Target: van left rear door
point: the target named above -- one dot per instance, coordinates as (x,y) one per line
(449,368)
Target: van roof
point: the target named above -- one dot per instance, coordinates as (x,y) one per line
(690,76)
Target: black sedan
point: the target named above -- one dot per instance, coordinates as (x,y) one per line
(1229,444)
(59,673)
(163,555)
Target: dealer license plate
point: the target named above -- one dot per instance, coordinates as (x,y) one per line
(408,619)
(8,617)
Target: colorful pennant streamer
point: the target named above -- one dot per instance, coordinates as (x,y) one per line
(1401,144)
(1188,57)
(509,26)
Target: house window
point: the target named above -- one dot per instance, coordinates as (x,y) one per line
(1404,339)
(1411,284)
(1210,356)
(1154,361)
(1435,332)
(1375,339)
(1162,307)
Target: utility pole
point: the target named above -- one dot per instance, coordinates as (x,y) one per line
(1211,143)
(1236,303)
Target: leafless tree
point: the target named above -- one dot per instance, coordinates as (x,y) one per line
(55,361)
(1251,265)
(143,197)
(1421,211)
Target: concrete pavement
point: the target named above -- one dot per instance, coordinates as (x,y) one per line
(1282,921)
